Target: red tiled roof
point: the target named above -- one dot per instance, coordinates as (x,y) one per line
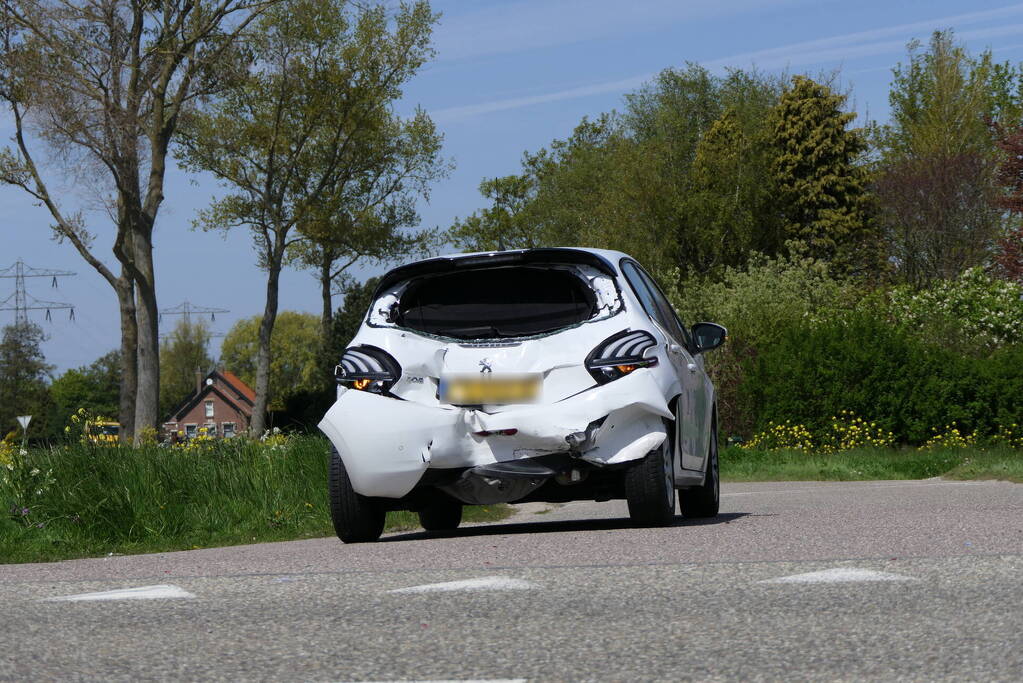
(241,386)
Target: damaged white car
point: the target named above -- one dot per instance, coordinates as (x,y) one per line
(533,375)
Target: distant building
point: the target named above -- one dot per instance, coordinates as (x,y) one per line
(221,404)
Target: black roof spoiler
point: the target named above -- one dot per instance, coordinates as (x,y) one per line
(492,259)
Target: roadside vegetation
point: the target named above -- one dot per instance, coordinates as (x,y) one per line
(88,500)
(861,464)
(849,448)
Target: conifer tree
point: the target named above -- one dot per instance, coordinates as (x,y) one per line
(821,189)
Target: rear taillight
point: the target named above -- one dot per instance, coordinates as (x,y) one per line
(621,354)
(367,368)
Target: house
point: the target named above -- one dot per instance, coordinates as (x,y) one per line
(222,404)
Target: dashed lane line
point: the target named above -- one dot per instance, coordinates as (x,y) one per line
(160,592)
(840,575)
(486,583)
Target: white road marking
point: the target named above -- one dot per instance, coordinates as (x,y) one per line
(487,583)
(839,575)
(161,592)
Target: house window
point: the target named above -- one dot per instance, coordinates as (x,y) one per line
(211,428)
(228,429)
(191,430)
(209,408)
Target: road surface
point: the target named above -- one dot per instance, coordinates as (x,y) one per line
(794,581)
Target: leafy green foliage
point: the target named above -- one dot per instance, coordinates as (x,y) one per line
(860,362)
(293,352)
(676,179)
(24,376)
(306,143)
(937,160)
(821,188)
(973,313)
(94,387)
(756,304)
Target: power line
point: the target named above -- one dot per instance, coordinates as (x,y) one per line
(25,302)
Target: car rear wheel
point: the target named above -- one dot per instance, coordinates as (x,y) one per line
(650,488)
(704,501)
(444,515)
(356,518)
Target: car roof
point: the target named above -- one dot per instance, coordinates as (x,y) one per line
(602,259)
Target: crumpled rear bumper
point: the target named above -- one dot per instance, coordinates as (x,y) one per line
(387,444)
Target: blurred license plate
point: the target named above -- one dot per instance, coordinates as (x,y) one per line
(488,388)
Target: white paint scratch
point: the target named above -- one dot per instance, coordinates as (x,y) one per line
(487,583)
(839,575)
(161,592)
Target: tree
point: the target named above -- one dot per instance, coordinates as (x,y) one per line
(103,84)
(95,387)
(295,350)
(728,207)
(185,352)
(348,319)
(936,178)
(506,223)
(387,169)
(821,188)
(662,181)
(321,83)
(24,375)
(1008,256)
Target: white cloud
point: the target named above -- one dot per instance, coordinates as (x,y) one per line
(510,27)
(834,48)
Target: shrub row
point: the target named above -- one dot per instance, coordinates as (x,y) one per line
(860,362)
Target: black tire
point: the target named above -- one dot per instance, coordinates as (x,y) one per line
(704,502)
(444,515)
(650,488)
(356,518)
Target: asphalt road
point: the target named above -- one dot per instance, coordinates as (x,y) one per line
(794,581)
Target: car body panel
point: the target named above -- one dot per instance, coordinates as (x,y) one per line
(386,444)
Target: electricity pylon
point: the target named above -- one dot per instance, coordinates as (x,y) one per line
(187,309)
(25,302)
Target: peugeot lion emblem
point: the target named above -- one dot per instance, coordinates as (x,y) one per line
(485,366)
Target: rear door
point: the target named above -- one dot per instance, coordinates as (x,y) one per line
(688,432)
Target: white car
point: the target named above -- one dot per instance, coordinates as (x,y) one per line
(533,375)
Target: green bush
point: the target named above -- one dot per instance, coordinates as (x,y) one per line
(864,364)
(974,313)
(757,303)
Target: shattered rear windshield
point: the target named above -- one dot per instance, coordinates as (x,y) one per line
(513,301)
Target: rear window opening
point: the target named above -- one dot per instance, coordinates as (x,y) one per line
(514,301)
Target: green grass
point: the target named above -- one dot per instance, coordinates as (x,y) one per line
(87,501)
(872,463)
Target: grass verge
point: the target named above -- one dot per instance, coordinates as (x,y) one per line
(872,463)
(87,501)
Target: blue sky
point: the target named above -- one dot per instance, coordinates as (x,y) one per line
(509,76)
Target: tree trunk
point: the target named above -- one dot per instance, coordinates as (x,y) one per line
(266,328)
(147,405)
(129,362)
(327,316)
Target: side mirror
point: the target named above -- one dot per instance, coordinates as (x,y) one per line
(709,336)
